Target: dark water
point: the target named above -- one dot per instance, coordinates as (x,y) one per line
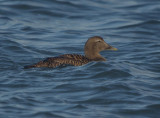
(127,85)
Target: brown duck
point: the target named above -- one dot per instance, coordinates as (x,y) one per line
(93,46)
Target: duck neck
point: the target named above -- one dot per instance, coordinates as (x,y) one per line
(95,56)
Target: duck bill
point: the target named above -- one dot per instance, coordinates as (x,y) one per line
(112,48)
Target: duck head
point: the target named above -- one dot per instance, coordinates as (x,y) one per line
(94,46)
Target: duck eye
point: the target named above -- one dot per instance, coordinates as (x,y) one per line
(98,41)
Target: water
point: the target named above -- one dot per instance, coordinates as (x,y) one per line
(127,85)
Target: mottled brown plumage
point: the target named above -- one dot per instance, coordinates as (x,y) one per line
(92,48)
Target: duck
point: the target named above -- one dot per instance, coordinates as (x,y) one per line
(92,48)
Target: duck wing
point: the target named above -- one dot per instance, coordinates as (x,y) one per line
(67,59)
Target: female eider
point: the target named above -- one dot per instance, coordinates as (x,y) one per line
(93,46)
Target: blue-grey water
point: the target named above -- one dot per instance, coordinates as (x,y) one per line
(127,85)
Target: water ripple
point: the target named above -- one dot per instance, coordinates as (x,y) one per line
(126,85)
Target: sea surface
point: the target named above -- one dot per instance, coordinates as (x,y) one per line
(127,85)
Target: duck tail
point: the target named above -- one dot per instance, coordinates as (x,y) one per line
(39,64)
(29,66)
